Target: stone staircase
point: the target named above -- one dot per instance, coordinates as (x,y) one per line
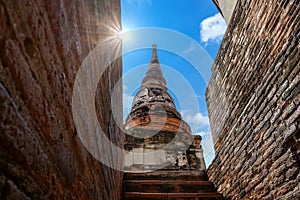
(192,185)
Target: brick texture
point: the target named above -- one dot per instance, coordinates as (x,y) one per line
(42,45)
(253,103)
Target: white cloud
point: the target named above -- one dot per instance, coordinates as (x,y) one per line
(127,101)
(125,88)
(212,28)
(196,121)
(190,48)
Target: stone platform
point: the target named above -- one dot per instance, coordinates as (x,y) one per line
(192,185)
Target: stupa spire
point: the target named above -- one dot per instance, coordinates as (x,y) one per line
(154,58)
(154,76)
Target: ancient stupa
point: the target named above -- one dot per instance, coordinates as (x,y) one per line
(157,136)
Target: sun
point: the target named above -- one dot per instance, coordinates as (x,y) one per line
(124,34)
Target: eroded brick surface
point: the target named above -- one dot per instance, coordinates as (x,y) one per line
(253,103)
(42,45)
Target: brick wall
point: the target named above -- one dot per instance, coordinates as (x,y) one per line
(253,103)
(42,45)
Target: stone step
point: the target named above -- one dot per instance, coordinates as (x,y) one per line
(167,175)
(167,186)
(176,185)
(162,196)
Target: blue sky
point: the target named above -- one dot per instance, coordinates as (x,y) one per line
(202,25)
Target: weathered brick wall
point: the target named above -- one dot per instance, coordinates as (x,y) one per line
(42,45)
(253,103)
